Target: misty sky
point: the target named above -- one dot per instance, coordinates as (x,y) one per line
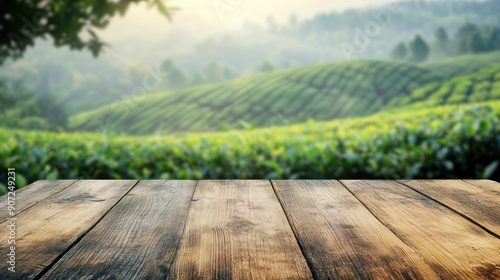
(260,9)
(202,16)
(140,35)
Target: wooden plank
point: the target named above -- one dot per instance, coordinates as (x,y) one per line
(33,193)
(237,230)
(136,240)
(476,204)
(487,185)
(341,239)
(452,245)
(49,228)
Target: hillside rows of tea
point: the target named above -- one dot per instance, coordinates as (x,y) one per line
(442,142)
(321,93)
(462,65)
(483,85)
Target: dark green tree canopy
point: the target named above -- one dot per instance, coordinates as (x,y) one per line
(442,36)
(441,46)
(64,21)
(266,66)
(176,78)
(493,39)
(475,43)
(464,36)
(419,49)
(399,52)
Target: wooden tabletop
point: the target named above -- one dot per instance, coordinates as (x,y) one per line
(328,229)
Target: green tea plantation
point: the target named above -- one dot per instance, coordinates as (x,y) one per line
(483,85)
(324,92)
(454,141)
(462,65)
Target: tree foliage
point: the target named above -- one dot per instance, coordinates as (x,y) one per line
(399,52)
(442,36)
(419,49)
(464,36)
(473,39)
(67,23)
(266,66)
(213,73)
(21,109)
(176,78)
(441,46)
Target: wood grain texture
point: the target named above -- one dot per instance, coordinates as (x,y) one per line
(237,230)
(488,185)
(477,204)
(341,239)
(453,246)
(49,228)
(136,240)
(33,193)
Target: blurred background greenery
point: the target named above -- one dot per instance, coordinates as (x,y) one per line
(240,89)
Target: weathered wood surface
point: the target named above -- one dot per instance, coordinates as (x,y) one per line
(478,204)
(310,229)
(46,230)
(237,230)
(38,191)
(137,239)
(451,244)
(487,185)
(341,239)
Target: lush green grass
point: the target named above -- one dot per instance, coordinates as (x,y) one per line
(444,142)
(322,92)
(462,65)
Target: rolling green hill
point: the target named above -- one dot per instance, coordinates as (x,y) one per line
(484,85)
(462,65)
(322,92)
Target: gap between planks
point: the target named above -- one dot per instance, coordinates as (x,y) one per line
(373,214)
(185,223)
(451,244)
(47,268)
(58,221)
(450,207)
(136,240)
(29,199)
(301,246)
(341,238)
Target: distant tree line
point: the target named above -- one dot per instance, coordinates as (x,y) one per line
(176,77)
(212,73)
(469,38)
(21,109)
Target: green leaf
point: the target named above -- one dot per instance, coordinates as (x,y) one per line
(20,181)
(490,169)
(484,126)
(162,8)
(92,33)
(52,175)
(3,189)
(448,164)
(122,8)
